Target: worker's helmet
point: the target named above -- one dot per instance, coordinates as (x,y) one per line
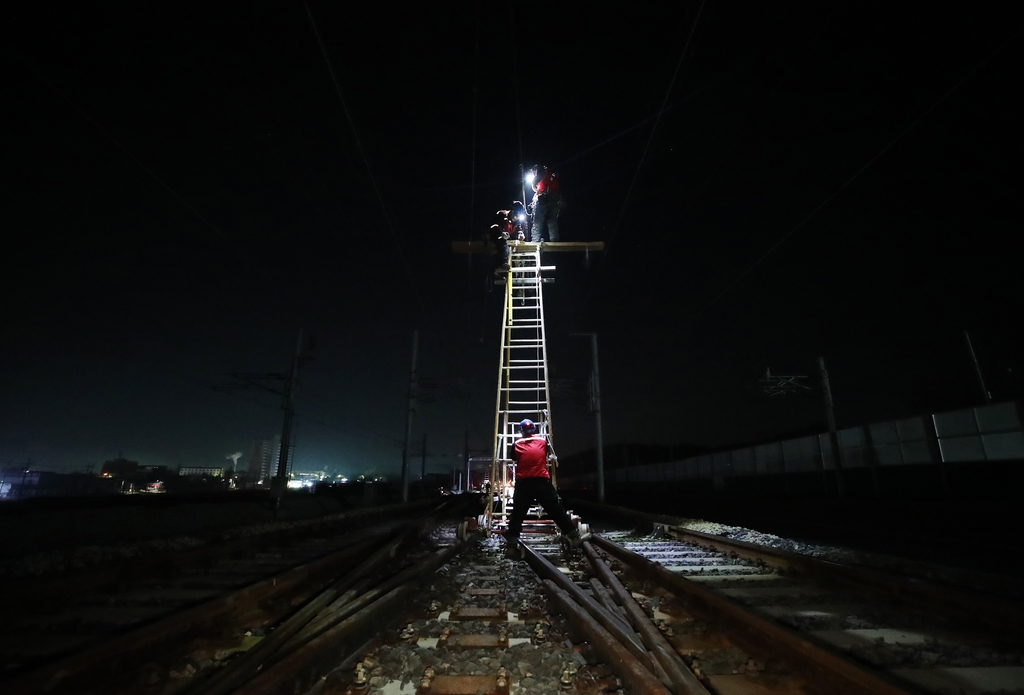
(528,427)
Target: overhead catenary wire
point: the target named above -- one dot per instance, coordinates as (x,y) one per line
(757,112)
(362,152)
(849,180)
(647,147)
(367,434)
(124,150)
(519,117)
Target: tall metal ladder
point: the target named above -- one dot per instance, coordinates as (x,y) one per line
(523,389)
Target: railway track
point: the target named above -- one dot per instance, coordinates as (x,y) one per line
(736,610)
(408,607)
(135,626)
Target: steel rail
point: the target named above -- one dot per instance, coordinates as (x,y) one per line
(632,671)
(845,675)
(296,629)
(91,670)
(967,606)
(602,615)
(113,663)
(302,663)
(683,679)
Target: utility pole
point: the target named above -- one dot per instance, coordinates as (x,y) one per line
(977,370)
(830,417)
(280,482)
(287,392)
(408,423)
(595,408)
(423,464)
(465,460)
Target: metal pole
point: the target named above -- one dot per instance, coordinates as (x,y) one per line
(977,370)
(595,408)
(408,423)
(596,389)
(830,417)
(465,458)
(423,463)
(288,405)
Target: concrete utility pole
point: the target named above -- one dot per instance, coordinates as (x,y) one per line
(595,396)
(423,463)
(408,422)
(595,408)
(977,369)
(280,482)
(465,460)
(833,437)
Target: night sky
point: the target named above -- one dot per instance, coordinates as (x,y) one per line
(187,187)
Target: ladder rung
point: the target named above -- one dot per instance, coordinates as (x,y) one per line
(534,362)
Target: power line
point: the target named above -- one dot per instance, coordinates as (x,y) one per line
(851,179)
(362,152)
(123,149)
(643,156)
(519,117)
(370,434)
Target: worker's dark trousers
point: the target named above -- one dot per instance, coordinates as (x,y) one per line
(545,215)
(540,489)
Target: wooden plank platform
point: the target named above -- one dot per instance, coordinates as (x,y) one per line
(552,246)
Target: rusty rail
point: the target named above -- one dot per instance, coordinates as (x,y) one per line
(310,656)
(683,680)
(845,675)
(631,670)
(92,670)
(969,603)
(967,606)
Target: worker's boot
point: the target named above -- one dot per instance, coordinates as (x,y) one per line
(577,537)
(514,549)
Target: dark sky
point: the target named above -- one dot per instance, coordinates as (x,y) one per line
(186,190)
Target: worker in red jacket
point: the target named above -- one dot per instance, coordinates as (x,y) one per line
(547,203)
(533,483)
(509,225)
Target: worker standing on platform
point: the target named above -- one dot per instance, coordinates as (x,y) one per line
(547,203)
(533,483)
(509,225)
(502,231)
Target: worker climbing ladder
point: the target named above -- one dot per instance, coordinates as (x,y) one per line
(523,387)
(523,384)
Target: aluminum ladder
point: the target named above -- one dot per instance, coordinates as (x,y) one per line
(523,387)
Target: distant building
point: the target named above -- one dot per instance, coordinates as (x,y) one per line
(207,471)
(263,459)
(119,468)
